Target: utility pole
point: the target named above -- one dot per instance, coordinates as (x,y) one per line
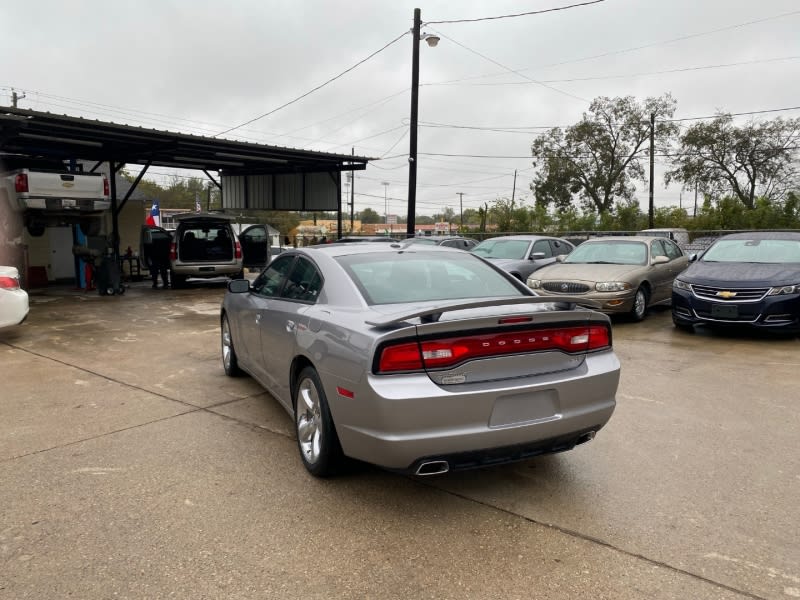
(651,212)
(695,200)
(352,192)
(16,97)
(514,189)
(385,185)
(412,150)
(461,207)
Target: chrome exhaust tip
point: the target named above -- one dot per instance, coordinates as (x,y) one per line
(432,467)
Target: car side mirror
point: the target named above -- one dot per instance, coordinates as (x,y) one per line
(561,258)
(693,257)
(537,255)
(238,286)
(660,260)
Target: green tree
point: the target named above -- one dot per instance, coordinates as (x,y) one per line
(502,213)
(598,159)
(748,161)
(369,216)
(629,216)
(471,216)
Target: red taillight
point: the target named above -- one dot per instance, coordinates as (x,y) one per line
(400,357)
(237,250)
(106,191)
(173,251)
(9,283)
(21,183)
(449,352)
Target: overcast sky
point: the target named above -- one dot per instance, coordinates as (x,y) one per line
(203,67)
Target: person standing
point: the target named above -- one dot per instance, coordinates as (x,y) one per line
(159,259)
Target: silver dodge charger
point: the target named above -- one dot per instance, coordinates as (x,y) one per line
(421,359)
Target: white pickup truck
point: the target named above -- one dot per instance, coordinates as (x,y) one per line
(54,196)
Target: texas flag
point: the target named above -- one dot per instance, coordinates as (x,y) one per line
(154,218)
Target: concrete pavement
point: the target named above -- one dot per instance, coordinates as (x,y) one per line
(131,467)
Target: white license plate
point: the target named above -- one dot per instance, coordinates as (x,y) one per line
(69,203)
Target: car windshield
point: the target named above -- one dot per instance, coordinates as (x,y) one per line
(424,276)
(609,253)
(500,248)
(754,251)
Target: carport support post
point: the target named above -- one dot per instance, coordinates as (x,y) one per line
(339,207)
(114,210)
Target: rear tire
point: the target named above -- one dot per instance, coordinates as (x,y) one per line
(639,309)
(317,441)
(229,360)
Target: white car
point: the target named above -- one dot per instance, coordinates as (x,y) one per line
(13,299)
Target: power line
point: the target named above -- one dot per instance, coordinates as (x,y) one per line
(264,136)
(626,76)
(525,14)
(524,129)
(510,70)
(631,49)
(739,114)
(678,39)
(308,93)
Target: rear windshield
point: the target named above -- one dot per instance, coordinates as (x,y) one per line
(389,278)
(754,251)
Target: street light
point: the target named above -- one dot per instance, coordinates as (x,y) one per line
(432,40)
(385,185)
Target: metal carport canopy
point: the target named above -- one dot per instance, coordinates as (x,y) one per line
(42,134)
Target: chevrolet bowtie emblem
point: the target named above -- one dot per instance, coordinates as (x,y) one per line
(726,295)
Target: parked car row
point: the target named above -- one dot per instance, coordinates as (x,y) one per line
(756,285)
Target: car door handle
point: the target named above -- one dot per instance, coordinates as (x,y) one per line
(290,326)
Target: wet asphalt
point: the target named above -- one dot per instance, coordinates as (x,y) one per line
(131,467)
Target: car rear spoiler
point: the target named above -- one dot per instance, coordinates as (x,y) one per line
(432,313)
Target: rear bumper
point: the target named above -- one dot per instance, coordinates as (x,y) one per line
(398,421)
(206,271)
(13,307)
(64,205)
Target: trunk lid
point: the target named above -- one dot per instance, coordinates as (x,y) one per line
(506,339)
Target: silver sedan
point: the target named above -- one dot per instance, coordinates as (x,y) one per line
(521,255)
(420,360)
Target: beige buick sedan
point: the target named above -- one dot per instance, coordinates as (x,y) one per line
(622,274)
